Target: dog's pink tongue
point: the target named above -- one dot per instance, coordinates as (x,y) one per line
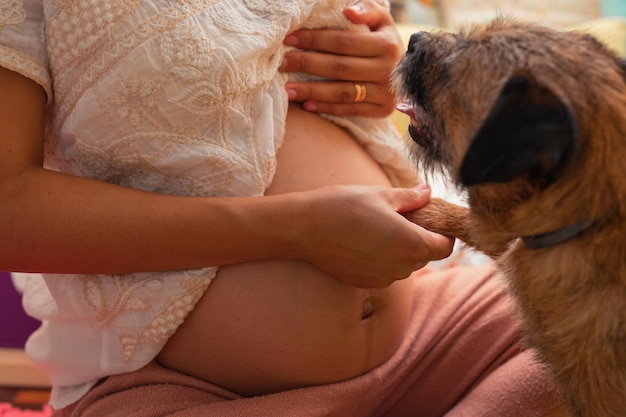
(406,108)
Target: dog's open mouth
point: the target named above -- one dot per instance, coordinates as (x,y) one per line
(418,129)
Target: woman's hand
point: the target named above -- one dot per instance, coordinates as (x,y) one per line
(356,234)
(360,64)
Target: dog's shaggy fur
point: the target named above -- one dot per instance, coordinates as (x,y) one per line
(531,123)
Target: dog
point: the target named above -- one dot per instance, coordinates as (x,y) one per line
(530,123)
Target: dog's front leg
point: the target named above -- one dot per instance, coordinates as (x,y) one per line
(452,220)
(445,218)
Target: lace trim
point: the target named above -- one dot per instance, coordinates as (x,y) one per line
(12,12)
(112,298)
(27,66)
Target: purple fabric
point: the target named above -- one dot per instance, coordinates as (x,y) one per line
(15,325)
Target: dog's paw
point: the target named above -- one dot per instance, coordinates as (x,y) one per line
(440,216)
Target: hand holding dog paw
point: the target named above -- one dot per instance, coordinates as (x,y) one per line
(357,234)
(357,64)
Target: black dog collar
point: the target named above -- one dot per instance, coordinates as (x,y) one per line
(546,240)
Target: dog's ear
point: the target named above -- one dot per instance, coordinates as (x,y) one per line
(529,130)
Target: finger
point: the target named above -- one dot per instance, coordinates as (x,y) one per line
(339,98)
(348,109)
(339,42)
(335,67)
(409,199)
(439,246)
(370,13)
(380,21)
(337,92)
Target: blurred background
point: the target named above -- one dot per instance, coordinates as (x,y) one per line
(455,13)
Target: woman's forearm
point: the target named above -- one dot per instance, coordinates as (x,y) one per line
(55,222)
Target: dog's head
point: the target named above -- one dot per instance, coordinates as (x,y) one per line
(528,120)
(503,101)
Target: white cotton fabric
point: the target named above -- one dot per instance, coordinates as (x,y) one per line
(180,97)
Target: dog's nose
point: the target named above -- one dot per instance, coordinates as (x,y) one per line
(416,39)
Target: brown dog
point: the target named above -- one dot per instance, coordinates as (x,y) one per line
(531,123)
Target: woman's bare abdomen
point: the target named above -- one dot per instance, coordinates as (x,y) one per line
(274,325)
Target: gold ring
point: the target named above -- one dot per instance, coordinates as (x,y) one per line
(360,92)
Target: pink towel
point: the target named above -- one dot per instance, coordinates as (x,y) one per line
(7,410)
(462,358)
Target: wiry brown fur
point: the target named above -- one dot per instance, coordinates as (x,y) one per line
(572,296)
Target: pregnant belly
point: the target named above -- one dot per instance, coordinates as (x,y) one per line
(268,326)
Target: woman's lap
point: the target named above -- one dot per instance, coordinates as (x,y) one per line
(471,361)
(461,356)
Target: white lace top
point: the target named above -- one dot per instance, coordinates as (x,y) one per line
(180,97)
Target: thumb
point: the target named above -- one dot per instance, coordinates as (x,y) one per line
(370,13)
(409,199)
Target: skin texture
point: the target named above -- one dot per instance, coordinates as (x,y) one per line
(531,123)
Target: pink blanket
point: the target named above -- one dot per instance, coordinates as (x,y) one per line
(7,410)
(462,359)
